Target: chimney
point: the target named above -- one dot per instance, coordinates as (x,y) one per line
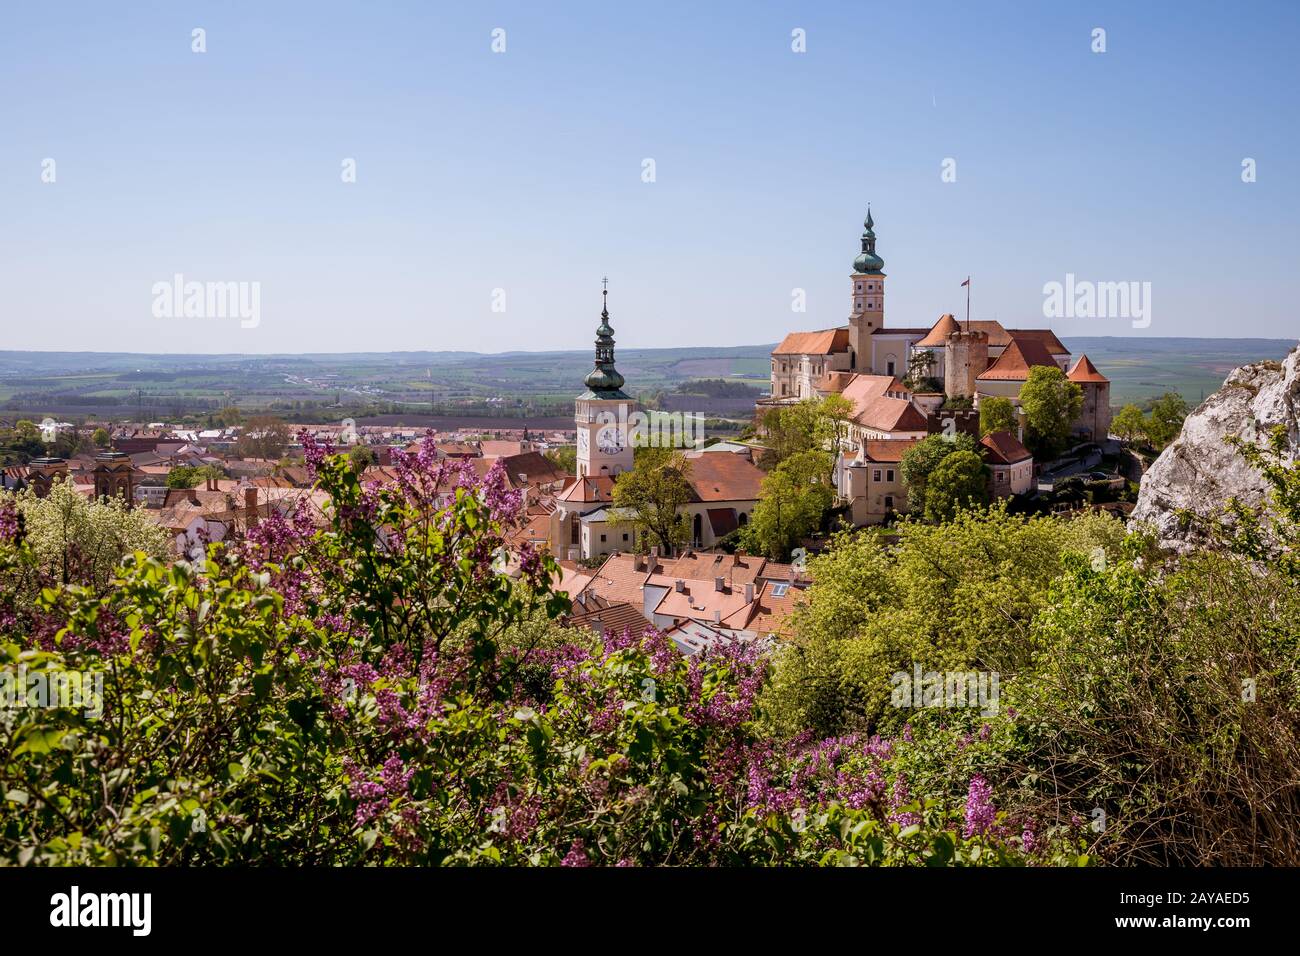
(250,504)
(749,593)
(719,584)
(717,617)
(636,563)
(679,586)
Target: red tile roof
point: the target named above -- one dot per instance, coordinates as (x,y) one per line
(888,450)
(706,565)
(1013,365)
(823,342)
(617,580)
(999,337)
(939,332)
(833,381)
(597,488)
(1085,371)
(722,477)
(1003,448)
(874,408)
(614,617)
(767,614)
(1045,336)
(532,465)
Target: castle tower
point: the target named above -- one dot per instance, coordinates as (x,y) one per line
(114,476)
(868,298)
(1094,417)
(965,357)
(602,412)
(43,472)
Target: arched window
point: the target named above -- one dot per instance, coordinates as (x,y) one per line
(744,518)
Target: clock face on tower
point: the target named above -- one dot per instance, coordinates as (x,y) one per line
(609,441)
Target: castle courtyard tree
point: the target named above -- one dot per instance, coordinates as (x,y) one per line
(959,481)
(1051,403)
(998,415)
(921,459)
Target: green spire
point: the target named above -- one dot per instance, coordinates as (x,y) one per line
(867,262)
(604,381)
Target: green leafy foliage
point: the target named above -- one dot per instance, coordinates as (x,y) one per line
(652,496)
(1051,403)
(998,415)
(923,458)
(960,480)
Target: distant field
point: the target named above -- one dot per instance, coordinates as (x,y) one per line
(1142,368)
(512,386)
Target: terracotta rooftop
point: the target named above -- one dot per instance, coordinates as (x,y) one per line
(598,488)
(833,381)
(533,466)
(613,617)
(999,337)
(1085,372)
(767,614)
(1046,336)
(1003,448)
(888,450)
(1013,365)
(823,342)
(875,407)
(618,580)
(725,478)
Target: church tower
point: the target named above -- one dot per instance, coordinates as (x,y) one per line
(602,412)
(868,313)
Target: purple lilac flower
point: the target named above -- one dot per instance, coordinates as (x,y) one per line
(980,812)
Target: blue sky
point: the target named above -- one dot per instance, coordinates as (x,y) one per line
(522,170)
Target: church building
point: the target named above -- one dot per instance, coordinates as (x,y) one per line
(584,524)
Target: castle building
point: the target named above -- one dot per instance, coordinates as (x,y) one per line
(1095,418)
(881,368)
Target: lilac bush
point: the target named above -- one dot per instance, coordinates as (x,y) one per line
(362,688)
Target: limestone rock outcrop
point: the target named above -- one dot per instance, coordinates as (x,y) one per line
(1199,471)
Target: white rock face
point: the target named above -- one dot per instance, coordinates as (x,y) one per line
(1199,471)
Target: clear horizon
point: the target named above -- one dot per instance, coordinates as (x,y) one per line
(522,170)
